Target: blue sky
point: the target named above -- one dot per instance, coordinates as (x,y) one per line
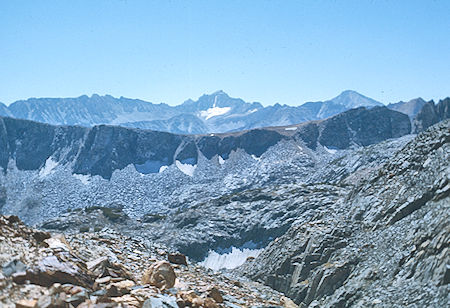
(267,51)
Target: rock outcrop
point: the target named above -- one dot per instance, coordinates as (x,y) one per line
(431,114)
(385,244)
(356,127)
(410,108)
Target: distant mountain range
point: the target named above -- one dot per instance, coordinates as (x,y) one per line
(213,113)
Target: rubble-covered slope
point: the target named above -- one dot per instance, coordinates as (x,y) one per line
(106,269)
(384,245)
(269,195)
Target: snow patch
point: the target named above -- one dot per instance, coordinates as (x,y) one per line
(256,158)
(221,160)
(214,111)
(229,260)
(50,164)
(252,111)
(186,168)
(291,128)
(83,178)
(331,151)
(161,170)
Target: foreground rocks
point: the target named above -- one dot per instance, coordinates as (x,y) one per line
(106,269)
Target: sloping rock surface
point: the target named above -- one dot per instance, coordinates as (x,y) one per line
(431,114)
(385,244)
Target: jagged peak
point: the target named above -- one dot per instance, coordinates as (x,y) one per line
(418,99)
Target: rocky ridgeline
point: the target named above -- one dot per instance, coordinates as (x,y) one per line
(103,149)
(384,245)
(106,269)
(431,114)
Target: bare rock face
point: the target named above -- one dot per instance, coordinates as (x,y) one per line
(431,114)
(363,127)
(410,108)
(385,243)
(160,275)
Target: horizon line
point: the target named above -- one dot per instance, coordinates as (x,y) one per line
(209,94)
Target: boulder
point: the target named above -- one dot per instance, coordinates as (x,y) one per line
(288,303)
(177,258)
(51,270)
(97,266)
(12,267)
(160,274)
(161,301)
(102,267)
(198,302)
(26,303)
(186,298)
(210,303)
(40,236)
(215,294)
(119,288)
(12,219)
